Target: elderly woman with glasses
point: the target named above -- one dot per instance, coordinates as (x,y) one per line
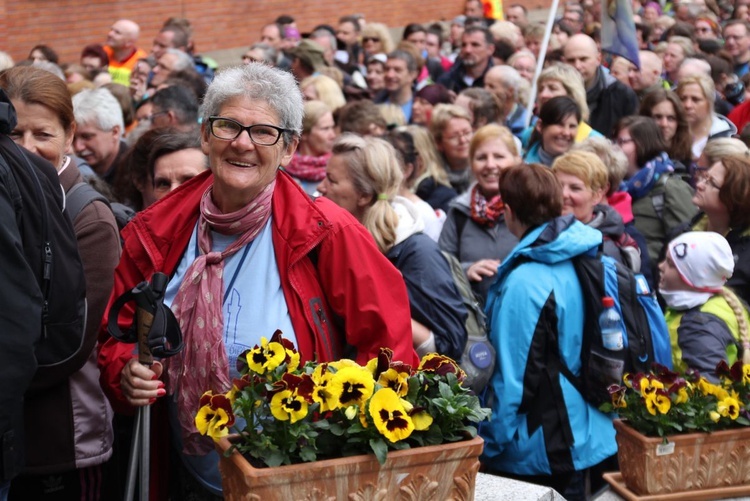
(722,195)
(249,252)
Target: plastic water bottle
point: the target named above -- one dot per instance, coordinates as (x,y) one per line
(609,324)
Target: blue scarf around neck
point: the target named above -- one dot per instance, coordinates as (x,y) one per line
(644,180)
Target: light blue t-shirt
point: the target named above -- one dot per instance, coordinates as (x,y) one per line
(253,307)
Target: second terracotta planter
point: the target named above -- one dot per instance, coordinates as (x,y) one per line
(695,461)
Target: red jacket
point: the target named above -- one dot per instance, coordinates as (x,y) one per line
(354,283)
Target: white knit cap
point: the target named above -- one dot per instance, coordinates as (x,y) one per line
(703,259)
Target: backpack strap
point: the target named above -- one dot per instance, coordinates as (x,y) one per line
(461,220)
(79,196)
(657,199)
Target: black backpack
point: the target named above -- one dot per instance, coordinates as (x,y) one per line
(51,249)
(645,333)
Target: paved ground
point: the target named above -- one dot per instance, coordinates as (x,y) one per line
(229,57)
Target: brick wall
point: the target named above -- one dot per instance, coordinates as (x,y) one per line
(68,25)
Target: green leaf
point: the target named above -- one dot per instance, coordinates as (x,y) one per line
(380,449)
(308,454)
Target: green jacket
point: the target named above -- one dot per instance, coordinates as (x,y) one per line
(668,205)
(703,336)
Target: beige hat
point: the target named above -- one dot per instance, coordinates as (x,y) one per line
(310,53)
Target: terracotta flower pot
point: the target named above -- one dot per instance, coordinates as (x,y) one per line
(444,472)
(691,462)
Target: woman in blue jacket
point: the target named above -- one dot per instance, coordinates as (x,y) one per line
(542,430)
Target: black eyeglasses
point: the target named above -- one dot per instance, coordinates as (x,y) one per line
(227,129)
(370,39)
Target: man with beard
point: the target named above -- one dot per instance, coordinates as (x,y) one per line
(474,60)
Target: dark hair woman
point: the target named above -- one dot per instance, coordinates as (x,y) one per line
(661,199)
(665,107)
(555,131)
(723,197)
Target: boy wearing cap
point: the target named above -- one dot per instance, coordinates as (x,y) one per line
(707,322)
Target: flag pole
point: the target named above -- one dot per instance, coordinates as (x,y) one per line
(540,61)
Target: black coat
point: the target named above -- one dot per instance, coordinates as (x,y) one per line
(609,100)
(20,300)
(434,299)
(453,79)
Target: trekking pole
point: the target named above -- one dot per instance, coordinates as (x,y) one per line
(145,319)
(158,334)
(135,444)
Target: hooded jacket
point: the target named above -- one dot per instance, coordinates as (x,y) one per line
(346,301)
(433,297)
(617,243)
(540,424)
(703,336)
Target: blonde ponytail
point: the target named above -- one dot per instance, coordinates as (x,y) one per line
(375,172)
(739,312)
(381,221)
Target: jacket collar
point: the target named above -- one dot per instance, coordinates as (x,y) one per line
(163,230)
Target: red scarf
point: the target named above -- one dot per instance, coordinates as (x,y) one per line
(203,364)
(485,212)
(308,167)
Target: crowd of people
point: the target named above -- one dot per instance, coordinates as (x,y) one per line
(315,186)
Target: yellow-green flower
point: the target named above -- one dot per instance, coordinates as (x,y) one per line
(351,412)
(389,415)
(266,357)
(729,407)
(395,380)
(350,386)
(746,374)
(215,415)
(288,405)
(715,416)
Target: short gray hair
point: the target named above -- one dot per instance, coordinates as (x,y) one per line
(510,77)
(98,107)
(270,54)
(258,82)
(184,61)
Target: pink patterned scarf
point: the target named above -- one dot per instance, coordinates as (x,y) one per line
(307,167)
(203,363)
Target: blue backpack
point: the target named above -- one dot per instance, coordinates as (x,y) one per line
(645,333)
